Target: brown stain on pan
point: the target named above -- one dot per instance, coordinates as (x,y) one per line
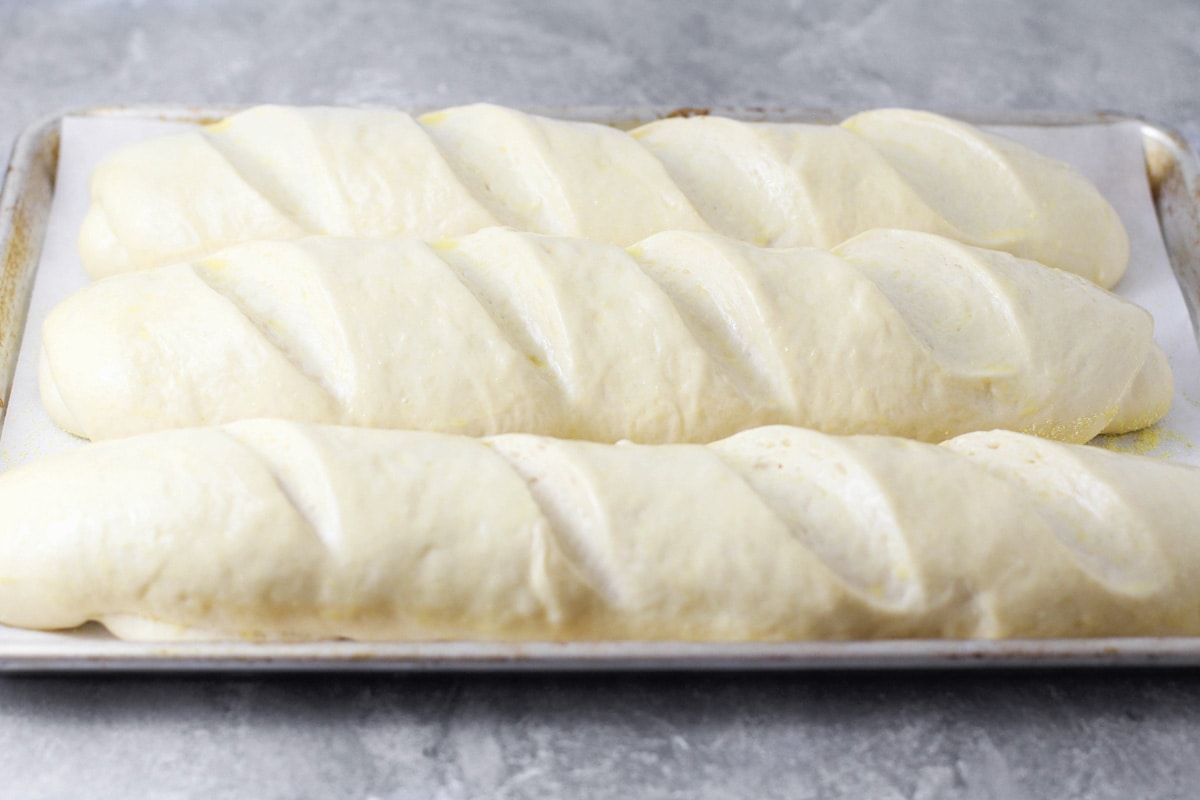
(687,112)
(18,261)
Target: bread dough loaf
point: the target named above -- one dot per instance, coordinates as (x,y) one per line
(790,185)
(273,172)
(267,529)
(683,337)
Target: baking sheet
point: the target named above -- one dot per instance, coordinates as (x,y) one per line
(1112,155)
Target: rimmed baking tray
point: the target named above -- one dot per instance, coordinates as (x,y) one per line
(24,210)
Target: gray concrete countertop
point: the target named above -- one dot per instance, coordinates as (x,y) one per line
(928,736)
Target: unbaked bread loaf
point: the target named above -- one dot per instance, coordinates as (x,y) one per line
(789,185)
(683,337)
(267,529)
(279,173)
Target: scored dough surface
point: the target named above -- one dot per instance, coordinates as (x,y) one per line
(685,336)
(267,529)
(277,172)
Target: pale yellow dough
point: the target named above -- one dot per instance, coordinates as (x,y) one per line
(268,529)
(275,172)
(682,337)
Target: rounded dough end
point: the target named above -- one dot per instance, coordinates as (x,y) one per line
(1149,395)
(100,251)
(52,399)
(1066,221)
(1113,259)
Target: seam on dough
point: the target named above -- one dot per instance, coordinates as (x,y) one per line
(144,587)
(229,151)
(319,380)
(487,202)
(268,466)
(477,188)
(553,375)
(564,534)
(973,141)
(913,591)
(336,181)
(531,137)
(755,380)
(1091,497)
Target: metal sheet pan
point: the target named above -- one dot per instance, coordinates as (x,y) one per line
(24,209)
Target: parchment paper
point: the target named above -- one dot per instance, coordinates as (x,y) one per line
(1110,155)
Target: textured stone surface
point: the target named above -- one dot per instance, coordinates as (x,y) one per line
(984,736)
(925,736)
(1077,55)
